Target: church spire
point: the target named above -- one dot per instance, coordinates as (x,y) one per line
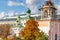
(28,12)
(48,11)
(19,22)
(48,0)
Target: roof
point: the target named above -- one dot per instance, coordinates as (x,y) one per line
(28,11)
(23,16)
(13,19)
(48,3)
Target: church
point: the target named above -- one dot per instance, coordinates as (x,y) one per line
(49,22)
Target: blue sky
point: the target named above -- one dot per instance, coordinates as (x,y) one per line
(14,7)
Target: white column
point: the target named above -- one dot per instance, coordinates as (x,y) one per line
(54,32)
(41,14)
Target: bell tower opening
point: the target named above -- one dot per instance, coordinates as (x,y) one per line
(48,11)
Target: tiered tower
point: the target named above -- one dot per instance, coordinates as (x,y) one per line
(49,23)
(28,12)
(18,22)
(48,11)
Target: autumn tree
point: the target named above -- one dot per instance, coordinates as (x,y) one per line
(31,31)
(4,30)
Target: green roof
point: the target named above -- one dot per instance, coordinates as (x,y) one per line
(28,11)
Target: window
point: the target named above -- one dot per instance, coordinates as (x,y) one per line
(45,13)
(55,36)
(59,27)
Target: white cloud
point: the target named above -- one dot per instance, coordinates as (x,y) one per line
(20,13)
(33,5)
(11,13)
(28,1)
(2,14)
(16,13)
(32,2)
(58,8)
(11,3)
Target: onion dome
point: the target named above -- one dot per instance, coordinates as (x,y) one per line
(28,11)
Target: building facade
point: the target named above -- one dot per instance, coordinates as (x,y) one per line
(49,22)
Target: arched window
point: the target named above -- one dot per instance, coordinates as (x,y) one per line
(46,13)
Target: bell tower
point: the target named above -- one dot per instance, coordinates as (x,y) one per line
(48,11)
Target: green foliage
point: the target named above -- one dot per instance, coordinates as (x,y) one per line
(17,38)
(41,36)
